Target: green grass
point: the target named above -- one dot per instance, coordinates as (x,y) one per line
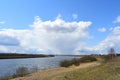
(106,71)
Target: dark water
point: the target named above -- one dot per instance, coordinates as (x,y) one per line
(8,66)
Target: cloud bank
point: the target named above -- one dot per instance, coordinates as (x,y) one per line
(56,37)
(50,37)
(111,41)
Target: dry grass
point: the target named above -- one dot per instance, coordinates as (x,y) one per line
(86,71)
(52,73)
(106,71)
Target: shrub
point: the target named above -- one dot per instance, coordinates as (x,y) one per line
(87,59)
(21,71)
(66,63)
(76,62)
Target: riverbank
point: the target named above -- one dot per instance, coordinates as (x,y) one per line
(109,70)
(51,74)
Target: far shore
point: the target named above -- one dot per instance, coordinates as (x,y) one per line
(19,55)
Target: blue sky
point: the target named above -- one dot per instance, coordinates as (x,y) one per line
(23,18)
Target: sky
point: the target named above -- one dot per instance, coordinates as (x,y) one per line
(59,27)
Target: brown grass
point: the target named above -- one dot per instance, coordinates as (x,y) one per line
(55,72)
(109,70)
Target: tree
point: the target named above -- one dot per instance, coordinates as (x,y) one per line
(112,53)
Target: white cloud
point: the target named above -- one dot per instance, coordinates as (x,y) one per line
(2,22)
(75,16)
(102,29)
(61,36)
(112,40)
(57,36)
(117,20)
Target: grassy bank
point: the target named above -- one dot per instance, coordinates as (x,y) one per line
(54,73)
(106,71)
(98,70)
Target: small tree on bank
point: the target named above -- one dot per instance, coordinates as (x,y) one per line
(111,53)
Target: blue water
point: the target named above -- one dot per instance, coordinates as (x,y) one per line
(8,66)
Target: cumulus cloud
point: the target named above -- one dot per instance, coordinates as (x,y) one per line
(102,29)
(57,36)
(112,40)
(117,20)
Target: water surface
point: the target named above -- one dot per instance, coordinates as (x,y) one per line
(8,66)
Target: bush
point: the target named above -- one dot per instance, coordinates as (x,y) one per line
(87,59)
(66,63)
(21,71)
(76,62)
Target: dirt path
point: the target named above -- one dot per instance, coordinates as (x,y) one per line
(46,74)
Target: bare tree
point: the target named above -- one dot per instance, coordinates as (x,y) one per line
(112,53)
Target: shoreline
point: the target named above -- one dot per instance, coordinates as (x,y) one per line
(21,56)
(47,73)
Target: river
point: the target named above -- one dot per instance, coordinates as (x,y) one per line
(8,66)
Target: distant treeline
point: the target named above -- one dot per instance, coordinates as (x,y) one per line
(16,55)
